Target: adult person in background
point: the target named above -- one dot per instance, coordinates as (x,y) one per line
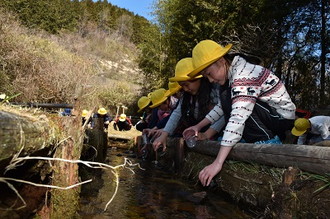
(313,130)
(254,101)
(198,99)
(122,123)
(143,104)
(103,114)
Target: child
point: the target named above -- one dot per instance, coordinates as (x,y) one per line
(84,116)
(254,100)
(103,114)
(312,130)
(198,99)
(122,123)
(161,105)
(143,102)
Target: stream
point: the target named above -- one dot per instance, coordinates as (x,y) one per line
(149,193)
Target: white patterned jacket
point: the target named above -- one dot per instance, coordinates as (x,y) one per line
(248,83)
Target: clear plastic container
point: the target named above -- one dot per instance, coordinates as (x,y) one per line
(191,141)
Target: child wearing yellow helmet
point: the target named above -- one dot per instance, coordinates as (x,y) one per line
(198,100)
(254,101)
(122,123)
(312,130)
(103,114)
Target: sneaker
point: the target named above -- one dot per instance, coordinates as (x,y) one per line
(275,140)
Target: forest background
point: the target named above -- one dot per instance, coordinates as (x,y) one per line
(54,51)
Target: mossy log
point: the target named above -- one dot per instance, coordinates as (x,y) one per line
(313,159)
(26,132)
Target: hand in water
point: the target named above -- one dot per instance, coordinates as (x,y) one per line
(160,142)
(207,174)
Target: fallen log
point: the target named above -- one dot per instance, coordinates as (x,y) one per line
(309,158)
(24,132)
(28,133)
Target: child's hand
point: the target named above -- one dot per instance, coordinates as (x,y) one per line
(160,142)
(189,132)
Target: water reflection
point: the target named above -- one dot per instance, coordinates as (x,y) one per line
(152,193)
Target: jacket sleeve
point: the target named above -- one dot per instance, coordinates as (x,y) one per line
(174,119)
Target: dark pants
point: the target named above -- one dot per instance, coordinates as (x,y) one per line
(264,122)
(122,126)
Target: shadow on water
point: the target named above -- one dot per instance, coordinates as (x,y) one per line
(150,193)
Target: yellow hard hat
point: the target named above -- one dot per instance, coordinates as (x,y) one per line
(182,69)
(158,97)
(173,87)
(84,113)
(143,102)
(300,126)
(122,117)
(102,111)
(205,53)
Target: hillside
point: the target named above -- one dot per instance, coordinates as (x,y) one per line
(101,69)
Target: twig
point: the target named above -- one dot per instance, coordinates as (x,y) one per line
(17,193)
(90,164)
(5,180)
(116,189)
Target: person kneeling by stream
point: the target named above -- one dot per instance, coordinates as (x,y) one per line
(122,123)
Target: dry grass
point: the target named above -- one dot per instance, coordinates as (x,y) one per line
(48,68)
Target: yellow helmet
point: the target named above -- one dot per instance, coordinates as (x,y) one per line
(143,102)
(300,126)
(182,69)
(122,117)
(205,53)
(173,87)
(158,97)
(84,113)
(102,111)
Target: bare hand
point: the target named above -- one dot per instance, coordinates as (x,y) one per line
(191,131)
(207,174)
(146,131)
(160,142)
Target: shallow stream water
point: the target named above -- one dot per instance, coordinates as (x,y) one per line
(149,193)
